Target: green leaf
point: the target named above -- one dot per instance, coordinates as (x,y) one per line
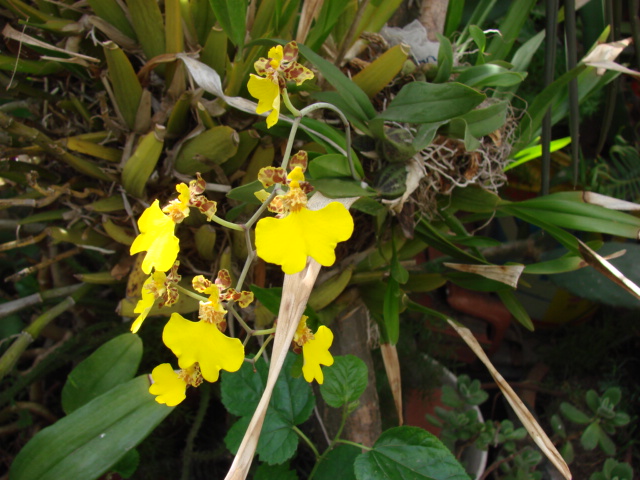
(516,308)
(113,363)
(246,193)
(338,464)
(591,436)
(445,60)
(339,188)
(454,16)
(128,464)
(232,17)
(480,40)
(344,381)
(409,453)
(241,390)
(606,444)
(349,91)
(87,443)
(573,414)
(484,121)
(614,394)
(291,404)
(489,75)
(421,102)
(333,165)
(275,472)
(269,297)
(510,28)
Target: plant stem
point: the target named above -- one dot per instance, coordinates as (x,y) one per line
(224,223)
(268,331)
(307,441)
(191,294)
(347,127)
(354,444)
(205,388)
(289,105)
(335,440)
(264,345)
(285,161)
(242,323)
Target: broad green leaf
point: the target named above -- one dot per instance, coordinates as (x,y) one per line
(147,22)
(328,17)
(421,102)
(269,297)
(409,453)
(210,148)
(474,199)
(113,363)
(344,381)
(111,11)
(347,108)
(241,390)
(445,60)
(510,29)
(246,193)
(232,17)
(489,75)
(431,236)
(480,40)
(339,188)
(333,165)
(127,91)
(591,436)
(128,464)
(484,121)
(338,464)
(87,443)
(574,415)
(569,211)
(369,206)
(454,16)
(350,92)
(458,128)
(291,404)
(275,472)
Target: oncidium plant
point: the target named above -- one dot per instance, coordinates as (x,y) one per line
(288,239)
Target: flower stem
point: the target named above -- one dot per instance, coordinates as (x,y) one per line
(307,441)
(289,105)
(335,440)
(242,323)
(264,345)
(347,126)
(224,223)
(191,294)
(285,161)
(263,332)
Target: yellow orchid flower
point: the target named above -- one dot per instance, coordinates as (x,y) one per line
(315,352)
(157,226)
(204,343)
(281,66)
(157,239)
(159,286)
(302,233)
(152,288)
(170,386)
